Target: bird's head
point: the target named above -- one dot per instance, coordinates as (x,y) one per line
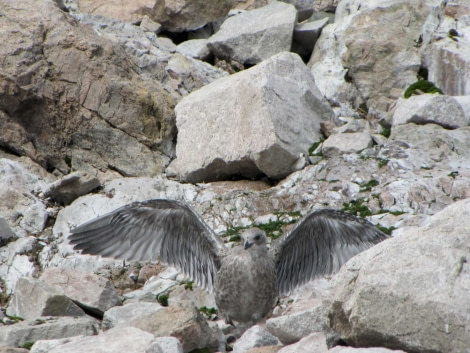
(254,238)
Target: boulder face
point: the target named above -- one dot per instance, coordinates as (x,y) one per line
(256,35)
(220,125)
(76,101)
(186,15)
(409,292)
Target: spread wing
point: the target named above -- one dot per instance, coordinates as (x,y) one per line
(319,244)
(157,229)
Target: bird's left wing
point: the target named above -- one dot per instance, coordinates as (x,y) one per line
(164,230)
(319,244)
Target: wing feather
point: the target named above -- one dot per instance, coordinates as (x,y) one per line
(157,229)
(319,245)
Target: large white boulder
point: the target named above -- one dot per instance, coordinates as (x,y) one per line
(259,121)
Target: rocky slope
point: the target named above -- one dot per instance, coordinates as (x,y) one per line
(252,117)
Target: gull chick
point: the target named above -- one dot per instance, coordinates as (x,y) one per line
(246,280)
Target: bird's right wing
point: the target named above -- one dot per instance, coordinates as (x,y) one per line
(165,230)
(319,244)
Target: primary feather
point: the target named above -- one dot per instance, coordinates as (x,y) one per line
(246,281)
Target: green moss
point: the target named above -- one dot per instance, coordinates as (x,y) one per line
(453,174)
(208,312)
(382,162)
(314,146)
(369,185)
(356,207)
(187,284)
(385,132)
(386,230)
(423,86)
(201,350)
(27,345)
(163,299)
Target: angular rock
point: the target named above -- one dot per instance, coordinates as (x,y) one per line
(346,143)
(325,5)
(34,298)
(195,48)
(180,320)
(255,35)
(91,292)
(13,350)
(255,336)
(431,109)
(186,15)
(85,95)
(374,304)
(117,340)
(43,328)
(165,345)
(132,312)
(304,8)
(130,11)
(340,349)
(259,121)
(71,186)
(314,342)
(6,234)
(291,328)
(307,33)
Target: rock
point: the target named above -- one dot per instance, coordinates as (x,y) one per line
(6,234)
(91,292)
(255,336)
(255,35)
(186,15)
(204,155)
(291,328)
(373,304)
(430,108)
(16,262)
(346,143)
(126,11)
(71,186)
(314,342)
(340,349)
(19,206)
(13,350)
(325,5)
(91,84)
(147,25)
(128,313)
(34,298)
(195,48)
(42,328)
(307,33)
(165,345)
(304,8)
(180,320)
(120,339)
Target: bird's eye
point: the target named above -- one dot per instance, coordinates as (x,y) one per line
(257,237)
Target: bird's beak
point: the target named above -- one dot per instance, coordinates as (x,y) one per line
(247,244)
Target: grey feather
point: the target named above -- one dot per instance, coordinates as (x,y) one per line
(164,229)
(246,280)
(319,245)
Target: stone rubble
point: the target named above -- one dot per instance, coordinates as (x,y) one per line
(88,123)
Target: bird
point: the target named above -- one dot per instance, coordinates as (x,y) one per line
(247,280)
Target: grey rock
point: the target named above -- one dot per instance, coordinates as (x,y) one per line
(117,340)
(34,298)
(186,15)
(304,8)
(346,143)
(314,342)
(195,48)
(13,350)
(255,35)
(430,109)
(148,25)
(291,328)
(91,292)
(255,336)
(165,345)
(339,349)
(373,304)
(307,33)
(44,328)
(219,106)
(127,314)
(71,186)
(6,234)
